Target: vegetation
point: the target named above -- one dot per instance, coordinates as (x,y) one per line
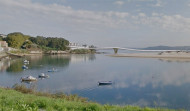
(1,38)
(24,99)
(50,42)
(16,39)
(20,41)
(82,51)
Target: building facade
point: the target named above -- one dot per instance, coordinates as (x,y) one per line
(3,46)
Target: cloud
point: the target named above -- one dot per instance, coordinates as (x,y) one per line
(140,0)
(176,23)
(61,13)
(159,3)
(119,3)
(24,13)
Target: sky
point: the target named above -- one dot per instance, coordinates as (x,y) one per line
(103,23)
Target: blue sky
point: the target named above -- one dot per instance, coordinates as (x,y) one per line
(125,23)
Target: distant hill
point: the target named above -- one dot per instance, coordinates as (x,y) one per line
(167,48)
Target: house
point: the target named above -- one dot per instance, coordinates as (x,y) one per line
(74,46)
(3,35)
(3,46)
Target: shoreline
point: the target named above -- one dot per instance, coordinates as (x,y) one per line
(3,55)
(46,101)
(171,55)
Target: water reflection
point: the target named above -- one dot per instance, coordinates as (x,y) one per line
(16,64)
(137,81)
(4,64)
(82,58)
(175,60)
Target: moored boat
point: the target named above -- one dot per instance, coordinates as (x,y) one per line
(24,67)
(26,61)
(105,83)
(53,70)
(28,78)
(42,75)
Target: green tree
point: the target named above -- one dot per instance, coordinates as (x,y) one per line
(27,44)
(16,39)
(1,38)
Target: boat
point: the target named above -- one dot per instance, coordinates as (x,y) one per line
(53,70)
(42,75)
(26,61)
(28,82)
(28,78)
(24,67)
(105,83)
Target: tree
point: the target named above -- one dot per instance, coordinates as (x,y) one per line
(19,40)
(1,38)
(16,39)
(27,44)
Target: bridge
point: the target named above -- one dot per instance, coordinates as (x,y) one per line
(121,48)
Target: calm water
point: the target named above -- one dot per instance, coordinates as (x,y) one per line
(137,81)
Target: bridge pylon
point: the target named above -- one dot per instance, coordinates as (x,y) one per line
(115,50)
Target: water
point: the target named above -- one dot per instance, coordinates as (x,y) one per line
(137,81)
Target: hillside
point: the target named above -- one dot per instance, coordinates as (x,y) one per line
(167,48)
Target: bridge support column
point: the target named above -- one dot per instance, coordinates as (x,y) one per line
(115,50)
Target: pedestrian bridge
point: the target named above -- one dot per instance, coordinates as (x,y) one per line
(120,48)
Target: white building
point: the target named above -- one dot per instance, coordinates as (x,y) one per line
(3,46)
(3,35)
(74,46)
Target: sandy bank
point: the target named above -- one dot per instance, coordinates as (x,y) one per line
(179,55)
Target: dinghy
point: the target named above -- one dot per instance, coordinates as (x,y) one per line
(26,61)
(42,75)
(24,67)
(28,78)
(105,83)
(53,70)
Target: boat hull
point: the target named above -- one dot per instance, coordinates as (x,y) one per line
(28,79)
(43,76)
(105,83)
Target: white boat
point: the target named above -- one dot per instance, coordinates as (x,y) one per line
(53,70)
(42,75)
(26,61)
(24,67)
(28,78)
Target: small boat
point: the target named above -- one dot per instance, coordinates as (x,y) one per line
(26,61)
(42,75)
(24,67)
(53,70)
(105,83)
(28,78)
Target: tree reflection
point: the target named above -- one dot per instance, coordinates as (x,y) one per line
(38,61)
(53,60)
(15,66)
(4,64)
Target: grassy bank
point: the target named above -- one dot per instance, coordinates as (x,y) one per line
(22,99)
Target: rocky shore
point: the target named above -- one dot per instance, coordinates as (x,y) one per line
(2,55)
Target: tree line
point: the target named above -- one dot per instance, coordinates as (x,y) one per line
(19,40)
